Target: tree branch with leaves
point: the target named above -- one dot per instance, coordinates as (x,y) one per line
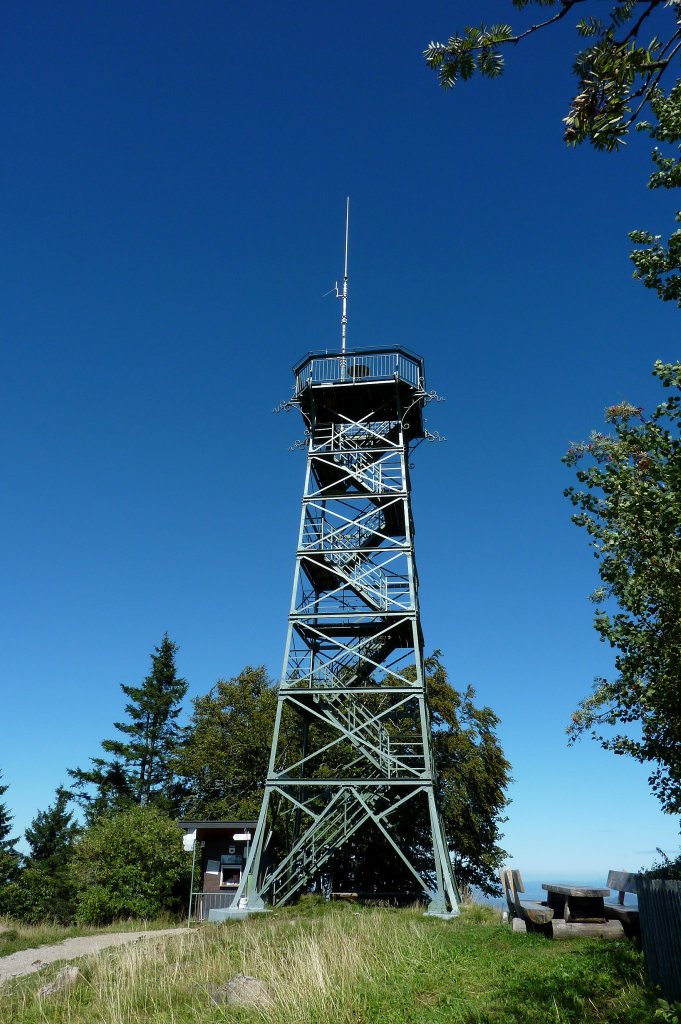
(619,78)
(630,506)
(617,74)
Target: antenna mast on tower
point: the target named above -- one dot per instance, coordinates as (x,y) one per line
(344,294)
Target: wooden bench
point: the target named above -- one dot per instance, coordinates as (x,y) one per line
(537,916)
(623,882)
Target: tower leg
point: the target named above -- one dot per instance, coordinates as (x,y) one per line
(446,901)
(248,885)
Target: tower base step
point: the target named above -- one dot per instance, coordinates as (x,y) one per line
(235,913)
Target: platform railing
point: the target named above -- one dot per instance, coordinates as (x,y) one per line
(357,369)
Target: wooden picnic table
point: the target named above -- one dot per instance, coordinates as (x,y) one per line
(576,902)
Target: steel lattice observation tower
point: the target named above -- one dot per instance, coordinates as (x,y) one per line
(351,748)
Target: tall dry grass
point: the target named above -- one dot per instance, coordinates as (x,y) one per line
(346,966)
(314,969)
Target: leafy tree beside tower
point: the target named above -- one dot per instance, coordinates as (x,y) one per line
(130,864)
(223,763)
(629,501)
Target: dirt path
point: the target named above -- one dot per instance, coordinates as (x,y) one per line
(26,961)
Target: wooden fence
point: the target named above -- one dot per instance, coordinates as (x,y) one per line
(659,905)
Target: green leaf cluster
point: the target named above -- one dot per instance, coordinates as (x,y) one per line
(665,868)
(472,776)
(617,74)
(130,865)
(669,1013)
(658,265)
(476,50)
(223,763)
(629,503)
(609,73)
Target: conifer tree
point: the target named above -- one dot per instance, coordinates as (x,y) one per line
(52,833)
(139,771)
(45,888)
(6,844)
(9,858)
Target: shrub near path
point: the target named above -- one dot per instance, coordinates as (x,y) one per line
(349,966)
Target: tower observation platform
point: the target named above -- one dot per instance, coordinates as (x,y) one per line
(357,383)
(351,767)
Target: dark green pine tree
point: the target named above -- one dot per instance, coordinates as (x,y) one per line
(9,858)
(6,844)
(52,833)
(45,888)
(140,770)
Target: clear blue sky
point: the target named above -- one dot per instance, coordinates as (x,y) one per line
(173,186)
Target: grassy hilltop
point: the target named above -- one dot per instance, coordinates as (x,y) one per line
(347,965)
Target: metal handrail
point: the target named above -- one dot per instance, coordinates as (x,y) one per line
(355,369)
